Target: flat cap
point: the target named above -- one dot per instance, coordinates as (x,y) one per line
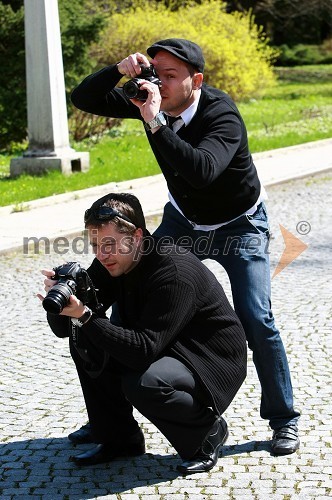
(185,50)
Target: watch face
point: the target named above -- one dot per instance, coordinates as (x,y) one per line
(161,119)
(158,121)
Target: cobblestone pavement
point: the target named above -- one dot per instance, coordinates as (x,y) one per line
(41,401)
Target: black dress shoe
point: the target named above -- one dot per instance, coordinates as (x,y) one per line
(82,435)
(285,440)
(207,455)
(130,447)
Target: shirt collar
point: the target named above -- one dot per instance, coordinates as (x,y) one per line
(188,114)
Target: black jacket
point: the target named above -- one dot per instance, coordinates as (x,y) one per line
(207,165)
(170,305)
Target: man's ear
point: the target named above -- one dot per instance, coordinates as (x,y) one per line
(138,235)
(197,80)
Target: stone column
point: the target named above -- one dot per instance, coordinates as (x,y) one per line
(47,113)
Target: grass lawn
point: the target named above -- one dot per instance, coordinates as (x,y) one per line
(297,110)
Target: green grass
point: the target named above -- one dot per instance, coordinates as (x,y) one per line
(297,110)
(125,156)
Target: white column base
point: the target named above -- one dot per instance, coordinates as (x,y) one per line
(76,162)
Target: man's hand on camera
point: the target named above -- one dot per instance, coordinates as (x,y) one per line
(130,66)
(151,107)
(75,307)
(48,282)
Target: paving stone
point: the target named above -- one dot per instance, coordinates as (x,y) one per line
(41,399)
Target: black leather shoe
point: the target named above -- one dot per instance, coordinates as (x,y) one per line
(131,447)
(285,440)
(207,455)
(82,435)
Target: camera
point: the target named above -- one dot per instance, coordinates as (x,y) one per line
(132,89)
(72,280)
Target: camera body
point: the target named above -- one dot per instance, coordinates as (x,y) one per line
(72,280)
(131,89)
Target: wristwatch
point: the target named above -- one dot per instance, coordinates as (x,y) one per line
(157,121)
(82,319)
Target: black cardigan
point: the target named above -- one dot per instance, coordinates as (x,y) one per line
(207,165)
(170,305)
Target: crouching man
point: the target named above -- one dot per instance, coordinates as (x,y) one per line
(179,355)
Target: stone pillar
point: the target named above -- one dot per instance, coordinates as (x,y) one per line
(47,113)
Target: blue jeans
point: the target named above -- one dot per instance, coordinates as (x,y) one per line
(241,247)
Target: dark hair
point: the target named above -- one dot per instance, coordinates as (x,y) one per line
(125,204)
(192,70)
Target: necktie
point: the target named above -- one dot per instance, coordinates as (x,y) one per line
(174,122)
(171,120)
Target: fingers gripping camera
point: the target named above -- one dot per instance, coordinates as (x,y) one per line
(132,90)
(72,279)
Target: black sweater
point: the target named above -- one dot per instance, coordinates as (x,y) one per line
(170,305)
(207,165)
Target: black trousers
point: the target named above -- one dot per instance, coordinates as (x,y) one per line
(167,393)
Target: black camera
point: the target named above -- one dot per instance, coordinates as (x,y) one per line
(72,280)
(132,89)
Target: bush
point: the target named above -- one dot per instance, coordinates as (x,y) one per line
(85,125)
(238,58)
(301,54)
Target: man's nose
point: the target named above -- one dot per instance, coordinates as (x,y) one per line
(101,254)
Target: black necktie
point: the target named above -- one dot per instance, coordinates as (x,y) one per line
(175,123)
(172,119)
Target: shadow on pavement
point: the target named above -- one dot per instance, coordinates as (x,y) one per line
(40,466)
(248,447)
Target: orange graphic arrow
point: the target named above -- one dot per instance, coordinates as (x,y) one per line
(293,248)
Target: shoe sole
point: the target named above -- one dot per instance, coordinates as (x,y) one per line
(284,452)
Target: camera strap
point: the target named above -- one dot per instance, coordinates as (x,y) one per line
(94,359)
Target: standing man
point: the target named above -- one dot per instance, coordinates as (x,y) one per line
(214,191)
(179,355)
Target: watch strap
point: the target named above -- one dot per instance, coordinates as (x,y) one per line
(82,319)
(158,121)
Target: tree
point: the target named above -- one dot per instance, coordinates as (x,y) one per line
(290,21)
(12,77)
(301,21)
(80,26)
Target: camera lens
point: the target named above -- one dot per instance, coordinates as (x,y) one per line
(57,298)
(131,89)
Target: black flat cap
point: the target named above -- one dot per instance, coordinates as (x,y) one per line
(185,50)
